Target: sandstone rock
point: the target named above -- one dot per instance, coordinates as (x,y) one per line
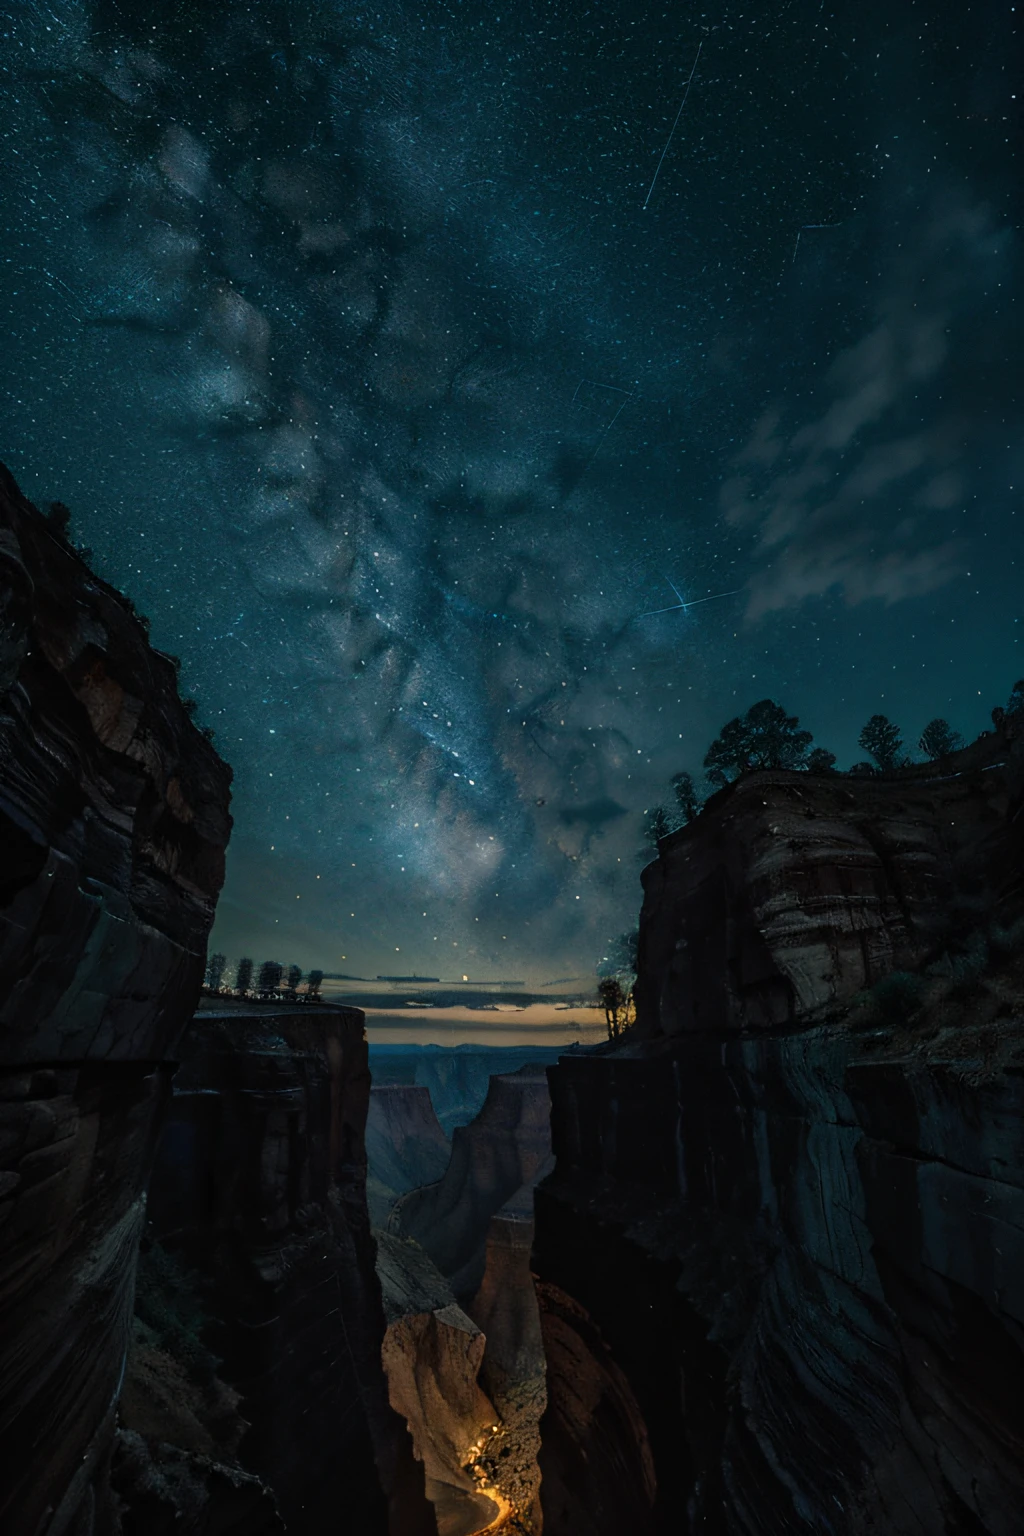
(113,824)
(260,1185)
(784,1241)
(405,1145)
(504,1148)
(791,892)
(432,1355)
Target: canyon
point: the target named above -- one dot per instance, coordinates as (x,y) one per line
(755,1268)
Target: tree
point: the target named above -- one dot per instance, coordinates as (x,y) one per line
(59,518)
(215,971)
(618,1007)
(686,796)
(820,761)
(883,741)
(656,826)
(314,981)
(243,977)
(269,979)
(938,739)
(765,737)
(1015,705)
(294,977)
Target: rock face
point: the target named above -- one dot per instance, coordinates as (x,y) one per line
(260,1185)
(792,892)
(113,824)
(504,1148)
(505,1306)
(782,1252)
(432,1355)
(405,1145)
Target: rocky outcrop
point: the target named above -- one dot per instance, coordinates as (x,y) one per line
(259,1185)
(782,1252)
(505,1306)
(503,1149)
(791,892)
(405,1145)
(432,1355)
(113,824)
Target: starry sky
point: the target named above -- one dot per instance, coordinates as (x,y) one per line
(402,360)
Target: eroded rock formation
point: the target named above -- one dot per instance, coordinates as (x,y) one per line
(432,1354)
(504,1148)
(782,1251)
(260,1185)
(113,824)
(405,1145)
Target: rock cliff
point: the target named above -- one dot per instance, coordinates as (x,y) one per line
(782,1251)
(405,1145)
(503,1148)
(113,824)
(259,1186)
(432,1355)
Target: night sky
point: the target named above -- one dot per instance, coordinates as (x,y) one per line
(398,360)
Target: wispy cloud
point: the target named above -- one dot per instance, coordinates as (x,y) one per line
(854,499)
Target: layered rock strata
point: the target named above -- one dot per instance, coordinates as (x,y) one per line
(432,1355)
(113,824)
(782,1252)
(260,1186)
(504,1148)
(405,1145)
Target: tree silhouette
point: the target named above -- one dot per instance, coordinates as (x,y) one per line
(617,1004)
(765,737)
(243,977)
(1015,705)
(883,741)
(938,739)
(269,979)
(687,799)
(215,971)
(59,518)
(819,760)
(294,977)
(314,981)
(656,826)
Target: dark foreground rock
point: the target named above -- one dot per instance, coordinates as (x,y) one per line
(113,824)
(260,1187)
(782,1253)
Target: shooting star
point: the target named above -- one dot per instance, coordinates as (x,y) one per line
(679,114)
(800,231)
(682,605)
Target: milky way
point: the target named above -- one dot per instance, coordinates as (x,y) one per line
(349,338)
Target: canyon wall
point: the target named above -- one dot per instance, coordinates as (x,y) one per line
(113,824)
(260,1187)
(504,1148)
(782,1251)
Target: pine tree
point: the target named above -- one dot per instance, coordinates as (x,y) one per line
(938,739)
(294,977)
(686,796)
(243,977)
(656,826)
(215,971)
(269,980)
(883,741)
(765,737)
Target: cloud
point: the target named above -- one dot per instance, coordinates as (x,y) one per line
(852,499)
